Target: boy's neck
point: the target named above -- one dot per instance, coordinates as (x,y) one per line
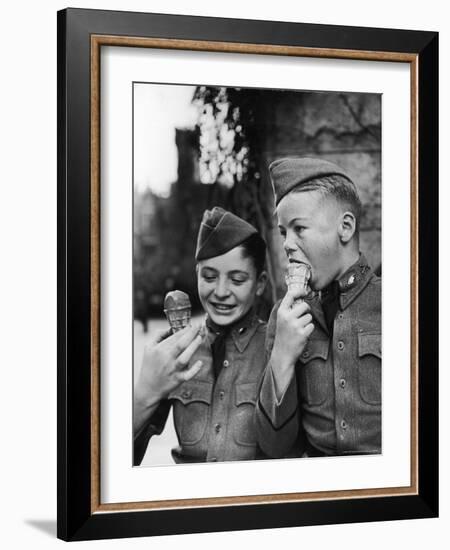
(350,258)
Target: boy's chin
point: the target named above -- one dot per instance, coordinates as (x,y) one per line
(317,286)
(222,320)
(314,285)
(321,285)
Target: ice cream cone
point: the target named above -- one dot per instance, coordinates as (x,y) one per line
(177,308)
(297,279)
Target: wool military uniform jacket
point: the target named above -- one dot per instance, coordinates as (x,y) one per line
(332,405)
(214,419)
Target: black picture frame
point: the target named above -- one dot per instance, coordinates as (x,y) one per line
(78,516)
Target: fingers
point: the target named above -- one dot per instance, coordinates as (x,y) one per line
(299,319)
(186,355)
(189,373)
(288,301)
(303,328)
(291,303)
(180,340)
(161,335)
(305,320)
(308,330)
(299,309)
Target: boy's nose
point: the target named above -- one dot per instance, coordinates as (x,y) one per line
(222,290)
(289,245)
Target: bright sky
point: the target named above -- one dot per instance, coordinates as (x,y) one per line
(158,110)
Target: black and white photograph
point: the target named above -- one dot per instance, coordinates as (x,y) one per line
(257,265)
(246,274)
(224,278)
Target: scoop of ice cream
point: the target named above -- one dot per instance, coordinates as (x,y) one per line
(297,278)
(176,299)
(177,308)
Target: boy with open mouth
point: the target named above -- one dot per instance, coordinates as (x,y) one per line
(321,393)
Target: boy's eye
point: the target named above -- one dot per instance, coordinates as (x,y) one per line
(209,277)
(299,228)
(238,280)
(283,232)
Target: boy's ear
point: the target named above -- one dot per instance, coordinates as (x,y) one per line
(347,227)
(261,283)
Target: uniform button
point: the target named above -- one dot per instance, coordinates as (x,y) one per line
(305,354)
(221,394)
(187,394)
(217,428)
(226,363)
(341,316)
(342,382)
(343,424)
(340,345)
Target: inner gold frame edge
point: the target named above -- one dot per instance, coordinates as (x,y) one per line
(264,49)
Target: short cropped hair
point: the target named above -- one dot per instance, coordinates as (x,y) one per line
(254,247)
(342,189)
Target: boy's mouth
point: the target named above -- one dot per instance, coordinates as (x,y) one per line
(222,308)
(295,261)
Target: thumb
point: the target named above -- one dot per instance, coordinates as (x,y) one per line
(288,301)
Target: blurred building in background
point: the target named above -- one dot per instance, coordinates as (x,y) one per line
(223,162)
(165,232)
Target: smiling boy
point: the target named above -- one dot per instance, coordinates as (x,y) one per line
(321,392)
(211,386)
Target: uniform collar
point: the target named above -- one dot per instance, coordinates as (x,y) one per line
(241,331)
(351,284)
(353,281)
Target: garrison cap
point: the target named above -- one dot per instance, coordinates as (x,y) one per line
(219,232)
(288,173)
